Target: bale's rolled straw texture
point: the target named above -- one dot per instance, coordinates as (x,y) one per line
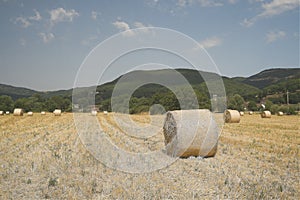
(43,113)
(30,113)
(266,114)
(250,112)
(242,113)
(1,112)
(57,112)
(280,113)
(232,116)
(190,133)
(18,112)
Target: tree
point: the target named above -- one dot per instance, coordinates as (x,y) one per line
(252,106)
(6,103)
(236,102)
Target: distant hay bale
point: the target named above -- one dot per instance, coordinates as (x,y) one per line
(18,112)
(29,113)
(190,133)
(266,114)
(232,116)
(57,112)
(250,112)
(1,112)
(280,113)
(94,113)
(242,113)
(105,112)
(7,112)
(43,113)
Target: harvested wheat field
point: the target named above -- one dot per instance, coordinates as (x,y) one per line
(42,157)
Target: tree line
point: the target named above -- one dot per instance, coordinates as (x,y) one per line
(36,103)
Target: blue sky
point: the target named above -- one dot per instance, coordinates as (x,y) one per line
(43,43)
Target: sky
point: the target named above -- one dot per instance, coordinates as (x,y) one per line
(44,43)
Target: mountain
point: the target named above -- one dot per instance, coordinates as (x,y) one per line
(269,81)
(272,76)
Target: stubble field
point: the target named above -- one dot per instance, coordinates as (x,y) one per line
(42,157)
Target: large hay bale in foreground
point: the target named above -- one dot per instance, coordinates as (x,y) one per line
(190,133)
(280,113)
(57,112)
(232,116)
(1,112)
(29,113)
(18,112)
(266,114)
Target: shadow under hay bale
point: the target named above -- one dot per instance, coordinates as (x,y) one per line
(232,116)
(190,133)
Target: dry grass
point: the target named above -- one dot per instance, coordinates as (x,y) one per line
(42,157)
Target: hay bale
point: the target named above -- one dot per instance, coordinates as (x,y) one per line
(1,112)
(232,116)
(105,112)
(57,112)
(30,113)
(250,112)
(266,114)
(242,113)
(18,112)
(280,113)
(43,113)
(94,113)
(7,112)
(190,133)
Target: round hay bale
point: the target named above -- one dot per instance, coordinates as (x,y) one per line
(280,113)
(242,113)
(7,112)
(250,112)
(94,113)
(43,113)
(1,112)
(232,116)
(30,113)
(57,112)
(190,133)
(266,114)
(18,112)
(105,112)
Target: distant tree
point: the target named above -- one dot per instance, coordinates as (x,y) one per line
(6,103)
(236,102)
(268,105)
(252,106)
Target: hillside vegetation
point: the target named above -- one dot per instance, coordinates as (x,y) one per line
(269,87)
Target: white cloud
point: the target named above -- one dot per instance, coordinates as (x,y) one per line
(89,41)
(232,1)
(36,17)
(47,37)
(94,15)
(211,42)
(27,21)
(62,15)
(24,22)
(210,3)
(272,36)
(123,26)
(275,7)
